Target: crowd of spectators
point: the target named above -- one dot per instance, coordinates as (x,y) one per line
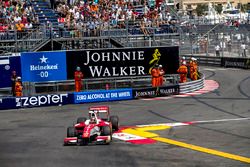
(104,14)
(17,15)
(89,15)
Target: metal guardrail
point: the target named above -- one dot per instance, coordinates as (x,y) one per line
(192,86)
(206,60)
(33,88)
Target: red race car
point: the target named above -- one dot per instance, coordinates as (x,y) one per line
(97,129)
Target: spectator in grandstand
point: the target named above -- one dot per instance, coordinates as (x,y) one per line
(78,79)
(217,50)
(13,82)
(143,28)
(243,48)
(28,26)
(92,27)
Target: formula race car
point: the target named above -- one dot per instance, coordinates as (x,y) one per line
(97,129)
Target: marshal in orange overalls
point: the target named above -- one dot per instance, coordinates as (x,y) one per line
(18,89)
(191,69)
(161,78)
(183,73)
(195,73)
(78,80)
(155,77)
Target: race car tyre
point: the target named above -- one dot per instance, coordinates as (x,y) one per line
(83,142)
(106,131)
(81,120)
(115,122)
(71,132)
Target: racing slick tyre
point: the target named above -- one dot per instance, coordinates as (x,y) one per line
(106,131)
(81,119)
(71,132)
(115,122)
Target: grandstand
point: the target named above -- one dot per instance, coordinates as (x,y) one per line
(38,25)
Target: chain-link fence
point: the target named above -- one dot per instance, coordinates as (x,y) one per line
(231,44)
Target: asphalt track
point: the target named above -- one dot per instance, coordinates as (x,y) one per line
(34,137)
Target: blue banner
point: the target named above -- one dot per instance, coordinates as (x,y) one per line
(7,65)
(102,95)
(43,66)
(34,101)
(42,100)
(7,103)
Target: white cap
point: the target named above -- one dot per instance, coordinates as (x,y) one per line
(160,66)
(18,78)
(184,63)
(183,58)
(192,58)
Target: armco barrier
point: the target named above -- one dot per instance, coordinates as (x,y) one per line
(206,60)
(99,95)
(192,86)
(235,62)
(102,95)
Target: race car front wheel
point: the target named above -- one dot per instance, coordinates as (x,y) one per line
(115,122)
(106,131)
(71,132)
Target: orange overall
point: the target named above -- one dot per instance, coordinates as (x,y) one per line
(183,73)
(161,73)
(18,89)
(78,81)
(155,77)
(191,69)
(195,73)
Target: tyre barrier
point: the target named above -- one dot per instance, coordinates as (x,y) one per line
(99,95)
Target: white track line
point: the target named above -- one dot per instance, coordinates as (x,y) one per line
(194,122)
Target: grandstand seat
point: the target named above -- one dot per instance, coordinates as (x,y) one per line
(44,12)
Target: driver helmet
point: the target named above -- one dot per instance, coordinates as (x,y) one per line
(93,120)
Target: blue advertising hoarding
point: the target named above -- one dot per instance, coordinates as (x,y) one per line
(34,101)
(7,103)
(42,100)
(7,65)
(43,66)
(102,95)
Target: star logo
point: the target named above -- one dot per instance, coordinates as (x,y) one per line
(43,59)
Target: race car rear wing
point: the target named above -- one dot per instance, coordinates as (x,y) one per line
(99,108)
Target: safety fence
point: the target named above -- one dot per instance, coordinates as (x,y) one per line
(36,88)
(234,62)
